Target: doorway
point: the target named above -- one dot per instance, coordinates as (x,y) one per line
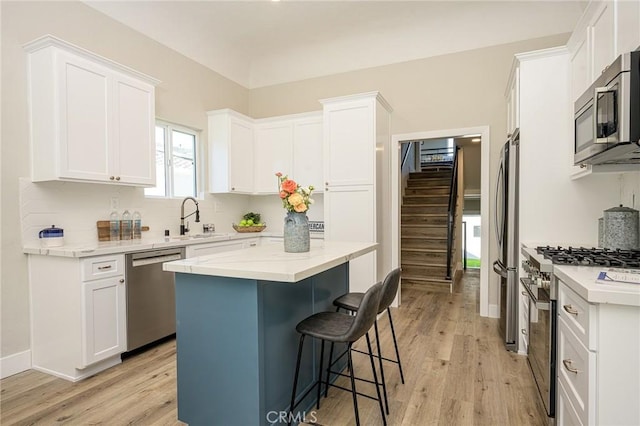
(397,142)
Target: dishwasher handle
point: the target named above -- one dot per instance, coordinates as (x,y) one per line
(155,256)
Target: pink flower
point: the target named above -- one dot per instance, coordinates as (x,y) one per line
(289,185)
(283,195)
(278,174)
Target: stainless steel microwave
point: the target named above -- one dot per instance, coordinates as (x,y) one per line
(607,116)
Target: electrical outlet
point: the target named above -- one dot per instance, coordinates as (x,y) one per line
(115,203)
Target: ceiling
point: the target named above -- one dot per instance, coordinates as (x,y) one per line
(261,43)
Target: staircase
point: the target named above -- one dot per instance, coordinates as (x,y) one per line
(424,229)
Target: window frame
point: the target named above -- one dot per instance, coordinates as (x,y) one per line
(169,127)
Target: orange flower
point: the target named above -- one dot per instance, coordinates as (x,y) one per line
(300,208)
(289,185)
(283,195)
(295,199)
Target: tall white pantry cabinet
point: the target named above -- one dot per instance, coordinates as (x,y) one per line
(357,133)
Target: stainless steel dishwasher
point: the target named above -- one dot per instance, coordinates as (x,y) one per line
(151,308)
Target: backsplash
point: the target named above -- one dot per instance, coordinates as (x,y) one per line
(272,213)
(76,207)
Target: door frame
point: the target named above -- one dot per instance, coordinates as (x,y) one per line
(396,193)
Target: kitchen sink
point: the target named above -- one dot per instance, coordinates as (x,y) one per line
(198,236)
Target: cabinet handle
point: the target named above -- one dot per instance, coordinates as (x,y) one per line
(583,166)
(121,280)
(102,268)
(570,309)
(112,177)
(253,245)
(524,293)
(524,331)
(567,364)
(117,177)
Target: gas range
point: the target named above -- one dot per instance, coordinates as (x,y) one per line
(581,256)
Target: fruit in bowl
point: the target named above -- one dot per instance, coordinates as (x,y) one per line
(250,223)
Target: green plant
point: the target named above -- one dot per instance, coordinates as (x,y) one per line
(255,217)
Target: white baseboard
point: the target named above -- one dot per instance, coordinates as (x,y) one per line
(14,364)
(494,311)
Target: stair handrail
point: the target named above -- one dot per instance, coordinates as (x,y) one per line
(406,154)
(453,196)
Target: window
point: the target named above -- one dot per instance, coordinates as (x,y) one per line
(176,149)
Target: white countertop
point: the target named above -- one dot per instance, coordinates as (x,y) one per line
(582,280)
(117,247)
(270,262)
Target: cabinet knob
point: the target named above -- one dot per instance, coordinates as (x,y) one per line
(326,184)
(524,331)
(233,188)
(118,178)
(112,177)
(524,293)
(121,280)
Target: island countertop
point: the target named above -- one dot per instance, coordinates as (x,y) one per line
(269,262)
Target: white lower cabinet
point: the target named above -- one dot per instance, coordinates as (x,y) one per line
(104,319)
(78,314)
(219,247)
(598,362)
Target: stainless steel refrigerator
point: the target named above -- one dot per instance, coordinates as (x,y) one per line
(506,214)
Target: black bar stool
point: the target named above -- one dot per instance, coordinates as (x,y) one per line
(352,302)
(338,327)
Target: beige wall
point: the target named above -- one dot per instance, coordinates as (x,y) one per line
(186,92)
(472,168)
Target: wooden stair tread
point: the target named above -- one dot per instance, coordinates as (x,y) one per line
(424,237)
(423,225)
(423,250)
(426,265)
(424,214)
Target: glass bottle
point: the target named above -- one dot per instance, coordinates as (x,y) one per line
(137,225)
(114,226)
(126,225)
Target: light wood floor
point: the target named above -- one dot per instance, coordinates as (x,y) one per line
(456,369)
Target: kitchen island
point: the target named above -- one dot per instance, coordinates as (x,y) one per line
(236,314)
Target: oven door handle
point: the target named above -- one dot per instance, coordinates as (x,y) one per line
(541,306)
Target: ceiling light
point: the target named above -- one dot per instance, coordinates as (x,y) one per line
(475,140)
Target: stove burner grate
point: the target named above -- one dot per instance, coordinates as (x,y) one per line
(582,256)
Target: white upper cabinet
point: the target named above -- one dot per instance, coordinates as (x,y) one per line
(245,154)
(231,152)
(606,30)
(350,142)
(273,152)
(307,151)
(92,120)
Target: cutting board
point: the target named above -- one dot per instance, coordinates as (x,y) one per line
(104,232)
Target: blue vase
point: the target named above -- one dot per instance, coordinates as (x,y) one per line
(296,233)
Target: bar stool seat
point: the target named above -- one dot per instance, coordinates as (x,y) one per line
(337,327)
(352,302)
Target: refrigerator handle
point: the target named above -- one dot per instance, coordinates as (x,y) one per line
(500,269)
(499,179)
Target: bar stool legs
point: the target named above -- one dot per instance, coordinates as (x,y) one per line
(384,383)
(353,385)
(295,377)
(395,343)
(375,379)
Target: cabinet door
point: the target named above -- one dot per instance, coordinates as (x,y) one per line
(240,156)
(132,141)
(83,119)
(603,36)
(103,319)
(349,143)
(272,152)
(628,26)
(580,72)
(349,215)
(307,152)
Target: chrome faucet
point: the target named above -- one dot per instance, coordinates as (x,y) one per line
(185,229)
